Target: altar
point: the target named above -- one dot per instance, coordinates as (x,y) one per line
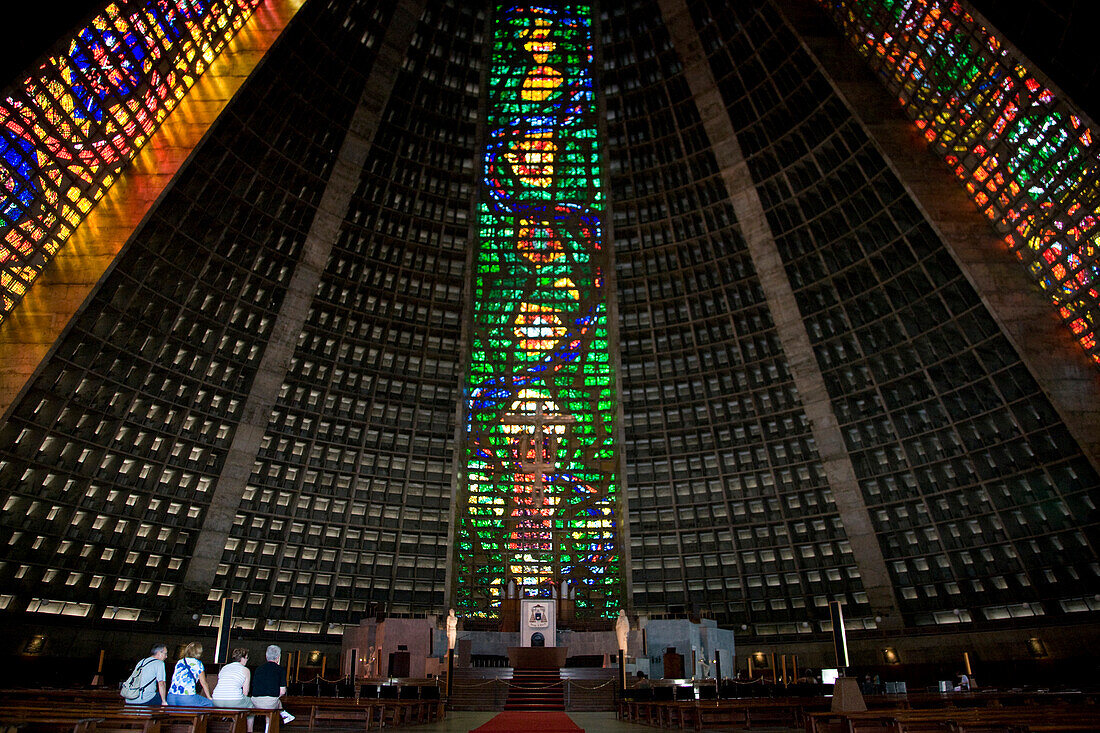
(537,657)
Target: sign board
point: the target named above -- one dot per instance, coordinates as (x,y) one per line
(538,623)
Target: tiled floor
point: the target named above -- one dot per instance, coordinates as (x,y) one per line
(461,722)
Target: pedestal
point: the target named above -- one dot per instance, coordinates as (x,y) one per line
(450,672)
(846,696)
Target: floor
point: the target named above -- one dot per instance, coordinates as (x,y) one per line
(460,722)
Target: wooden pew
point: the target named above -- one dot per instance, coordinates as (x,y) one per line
(106,716)
(47,723)
(101,716)
(1018,719)
(366,711)
(737,712)
(370,711)
(418,704)
(77,717)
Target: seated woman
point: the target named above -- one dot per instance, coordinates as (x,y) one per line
(187,676)
(233,682)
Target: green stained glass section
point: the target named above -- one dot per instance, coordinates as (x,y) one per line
(539,497)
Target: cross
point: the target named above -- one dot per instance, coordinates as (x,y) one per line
(539,465)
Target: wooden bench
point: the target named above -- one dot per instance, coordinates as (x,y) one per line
(738,712)
(366,712)
(101,716)
(114,716)
(1021,719)
(47,723)
(370,711)
(178,716)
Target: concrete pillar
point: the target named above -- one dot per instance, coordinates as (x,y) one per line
(331,211)
(785,313)
(1024,313)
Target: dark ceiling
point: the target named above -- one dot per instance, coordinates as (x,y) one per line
(1058,36)
(30,31)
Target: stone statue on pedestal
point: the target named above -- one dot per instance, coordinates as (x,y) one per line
(622,626)
(452,629)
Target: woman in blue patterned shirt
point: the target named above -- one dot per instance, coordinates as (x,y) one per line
(187,676)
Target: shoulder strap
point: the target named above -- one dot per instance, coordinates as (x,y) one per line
(190,672)
(136,674)
(137,669)
(147,661)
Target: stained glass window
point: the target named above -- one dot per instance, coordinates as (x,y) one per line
(68,129)
(539,493)
(1029,161)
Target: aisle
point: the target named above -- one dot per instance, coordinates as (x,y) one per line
(465,721)
(525,721)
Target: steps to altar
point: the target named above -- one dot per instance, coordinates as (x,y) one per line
(488,688)
(536,689)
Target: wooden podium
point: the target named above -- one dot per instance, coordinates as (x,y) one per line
(673,663)
(399,664)
(509,615)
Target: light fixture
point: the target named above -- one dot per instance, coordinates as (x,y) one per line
(1037,648)
(35,645)
(890,655)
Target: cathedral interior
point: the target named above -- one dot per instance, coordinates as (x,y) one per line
(741,310)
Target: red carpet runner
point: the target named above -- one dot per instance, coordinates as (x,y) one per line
(528,721)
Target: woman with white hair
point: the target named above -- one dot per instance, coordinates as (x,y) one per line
(269,683)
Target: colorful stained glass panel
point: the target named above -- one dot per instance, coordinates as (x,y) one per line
(1027,157)
(68,129)
(538,502)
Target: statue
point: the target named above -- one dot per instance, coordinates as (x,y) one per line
(622,626)
(452,629)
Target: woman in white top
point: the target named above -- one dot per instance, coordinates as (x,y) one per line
(233,682)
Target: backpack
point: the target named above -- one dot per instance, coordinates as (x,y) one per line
(130,690)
